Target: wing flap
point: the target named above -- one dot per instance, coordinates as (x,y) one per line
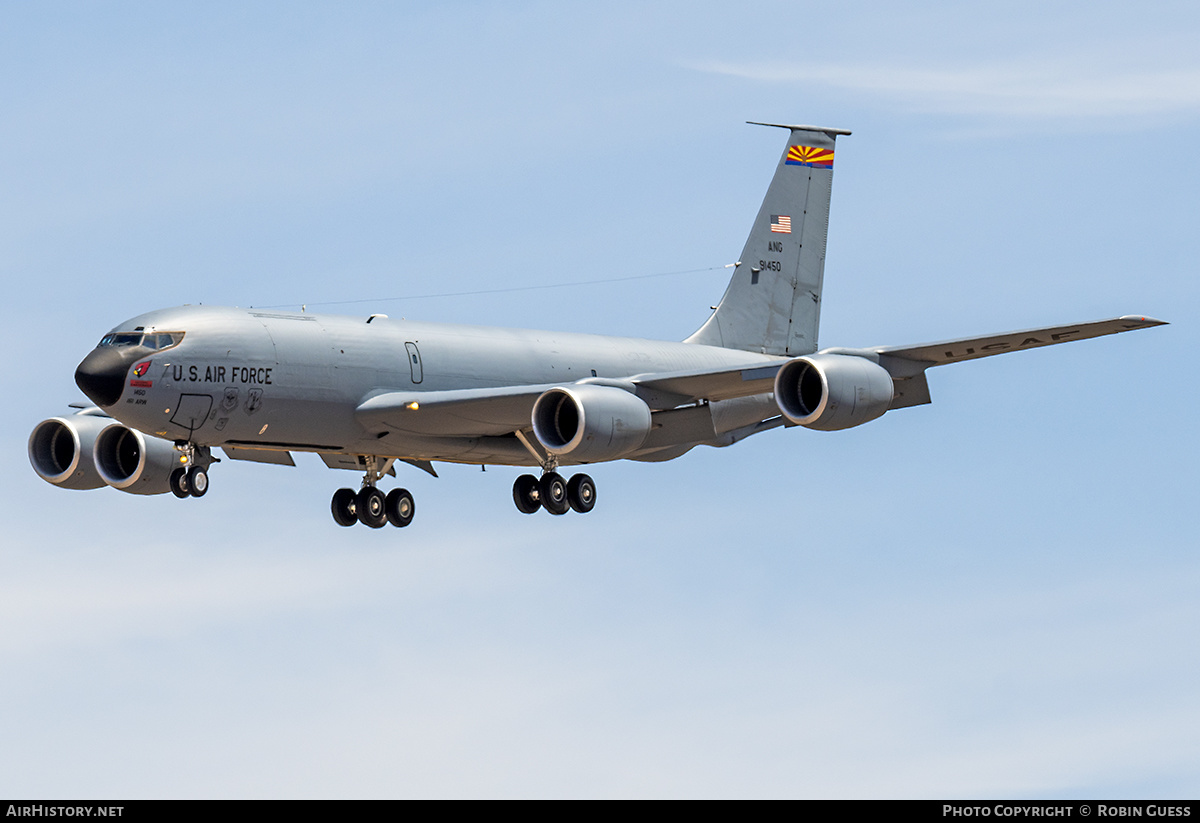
(272,456)
(909,391)
(716,384)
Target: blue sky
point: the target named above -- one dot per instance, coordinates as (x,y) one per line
(993,595)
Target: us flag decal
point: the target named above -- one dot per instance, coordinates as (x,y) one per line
(781,223)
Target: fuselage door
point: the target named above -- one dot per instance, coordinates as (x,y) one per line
(191,411)
(414,362)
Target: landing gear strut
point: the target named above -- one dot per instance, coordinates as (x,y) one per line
(369,505)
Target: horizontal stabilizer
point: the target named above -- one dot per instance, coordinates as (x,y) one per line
(821,129)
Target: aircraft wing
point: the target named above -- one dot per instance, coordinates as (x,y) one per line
(907,364)
(505,409)
(972,348)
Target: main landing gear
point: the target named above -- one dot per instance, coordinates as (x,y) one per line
(373,508)
(554,494)
(191,478)
(370,506)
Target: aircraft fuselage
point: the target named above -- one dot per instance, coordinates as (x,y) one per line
(292,381)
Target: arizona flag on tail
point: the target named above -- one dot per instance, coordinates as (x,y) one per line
(810,156)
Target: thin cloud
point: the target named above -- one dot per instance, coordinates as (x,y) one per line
(1030,90)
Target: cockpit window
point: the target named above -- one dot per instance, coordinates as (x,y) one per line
(152,340)
(162,340)
(122,339)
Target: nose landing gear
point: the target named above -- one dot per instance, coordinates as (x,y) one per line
(191,478)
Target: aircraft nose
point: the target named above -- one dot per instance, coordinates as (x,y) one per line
(101,375)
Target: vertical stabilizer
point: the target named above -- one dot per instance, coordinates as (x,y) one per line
(773,302)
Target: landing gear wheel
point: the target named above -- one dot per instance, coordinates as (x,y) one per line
(581,493)
(553,490)
(197,480)
(342,506)
(179,484)
(526,494)
(400,507)
(371,507)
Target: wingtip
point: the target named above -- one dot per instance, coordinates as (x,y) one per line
(1143,321)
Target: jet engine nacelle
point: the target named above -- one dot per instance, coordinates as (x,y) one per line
(828,392)
(130,461)
(590,423)
(60,450)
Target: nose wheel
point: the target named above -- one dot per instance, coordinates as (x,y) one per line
(178,483)
(554,494)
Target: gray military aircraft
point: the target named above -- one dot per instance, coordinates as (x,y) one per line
(365,392)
